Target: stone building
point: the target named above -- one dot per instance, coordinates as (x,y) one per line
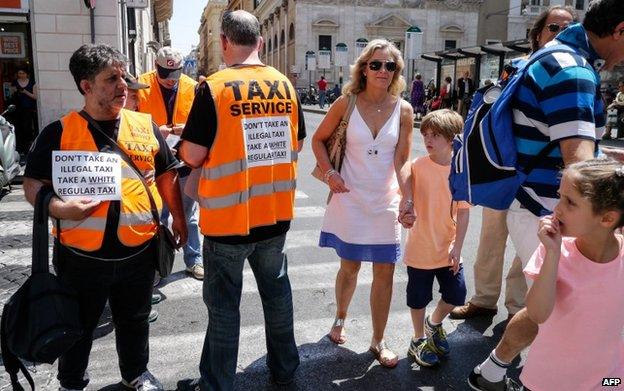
(209,49)
(45,33)
(308,38)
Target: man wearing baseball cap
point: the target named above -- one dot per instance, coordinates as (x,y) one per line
(168,99)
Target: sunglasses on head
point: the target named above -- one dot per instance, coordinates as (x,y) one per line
(376,65)
(554,27)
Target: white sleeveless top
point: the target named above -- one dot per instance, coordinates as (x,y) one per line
(367,215)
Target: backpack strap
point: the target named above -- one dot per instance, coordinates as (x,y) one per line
(12,364)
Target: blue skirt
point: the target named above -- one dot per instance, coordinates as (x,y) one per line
(378,253)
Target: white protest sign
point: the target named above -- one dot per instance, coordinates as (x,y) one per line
(172,140)
(82,174)
(267,140)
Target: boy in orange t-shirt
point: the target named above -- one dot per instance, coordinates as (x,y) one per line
(435,240)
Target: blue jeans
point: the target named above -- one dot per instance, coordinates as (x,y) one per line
(192,254)
(222,295)
(322,95)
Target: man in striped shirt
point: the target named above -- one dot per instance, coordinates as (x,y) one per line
(558,101)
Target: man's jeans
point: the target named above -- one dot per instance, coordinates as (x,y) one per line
(222,295)
(322,95)
(192,254)
(127,285)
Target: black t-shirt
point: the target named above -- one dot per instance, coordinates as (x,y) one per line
(201,129)
(39,166)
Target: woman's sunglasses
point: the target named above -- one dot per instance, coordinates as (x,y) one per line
(554,27)
(375,65)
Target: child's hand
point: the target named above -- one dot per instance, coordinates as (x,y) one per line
(549,233)
(407,220)
(455,259)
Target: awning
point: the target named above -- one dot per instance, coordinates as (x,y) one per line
(163,9)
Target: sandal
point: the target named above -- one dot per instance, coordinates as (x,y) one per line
(388,362)
(342,338)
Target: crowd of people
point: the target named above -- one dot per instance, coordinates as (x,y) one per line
(234,194)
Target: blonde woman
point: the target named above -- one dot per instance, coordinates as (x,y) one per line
(371,191)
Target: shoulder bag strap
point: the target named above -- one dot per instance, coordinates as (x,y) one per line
(350,106)
(128,161)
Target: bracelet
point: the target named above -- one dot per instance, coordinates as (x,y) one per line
(328,174)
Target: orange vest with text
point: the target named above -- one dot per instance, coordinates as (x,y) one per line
(151,100)
(248,178)
(136,224)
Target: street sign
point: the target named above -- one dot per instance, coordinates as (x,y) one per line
(413,43)
(137,3)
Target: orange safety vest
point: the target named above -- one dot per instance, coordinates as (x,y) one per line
(248,178)
(136,224)
(151,100)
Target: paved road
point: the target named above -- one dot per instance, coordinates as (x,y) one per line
(177,336)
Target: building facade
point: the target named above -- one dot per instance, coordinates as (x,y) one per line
(209,49)
(305,39)
(45,33)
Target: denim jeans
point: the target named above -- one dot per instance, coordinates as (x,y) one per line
(222,295)
(192,254)
(322,95)
(127,285)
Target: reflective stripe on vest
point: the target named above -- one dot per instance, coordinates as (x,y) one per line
(136,224)
(151,100)
(234,168)
(249,178)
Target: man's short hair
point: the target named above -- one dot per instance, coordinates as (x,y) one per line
(240,28)
(90,59)
(603,16)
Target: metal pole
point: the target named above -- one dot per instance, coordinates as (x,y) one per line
(92,19)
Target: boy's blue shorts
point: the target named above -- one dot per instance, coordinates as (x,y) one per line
(420,285)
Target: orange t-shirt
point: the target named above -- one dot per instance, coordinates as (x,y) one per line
(433,234)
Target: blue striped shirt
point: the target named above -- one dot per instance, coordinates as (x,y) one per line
(558,98)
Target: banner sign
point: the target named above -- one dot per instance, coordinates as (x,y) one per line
(413,43)
(310,61)
(360,45)
(267,140)
(342,55)
(324,59)
(12,45)
(90,175)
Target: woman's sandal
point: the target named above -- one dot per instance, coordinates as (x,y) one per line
(387,362)
(342,338)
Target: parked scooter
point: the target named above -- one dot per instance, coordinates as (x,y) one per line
(9,157)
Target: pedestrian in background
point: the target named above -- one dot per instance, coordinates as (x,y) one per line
(489,263)
(361,219)
(417,96)
(105,249)
(322,86)
(246,196)
(575,124)
(446,93)
(577,290)
(169,101)
(25,116)
(465,89)
(434,243)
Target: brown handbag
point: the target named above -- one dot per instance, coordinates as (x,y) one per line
(336,144)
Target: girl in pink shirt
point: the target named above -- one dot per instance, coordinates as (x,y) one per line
(577,297)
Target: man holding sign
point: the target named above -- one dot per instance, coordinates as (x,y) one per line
(246,192)
(105,247)
(168,99)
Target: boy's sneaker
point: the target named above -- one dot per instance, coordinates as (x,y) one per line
(477,382)
(423,353)
(438,337)
(145,382)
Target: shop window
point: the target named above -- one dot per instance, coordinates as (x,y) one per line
(270,47)
(291,32)
(325,42)
(450,44)
(275,42)
(282,38)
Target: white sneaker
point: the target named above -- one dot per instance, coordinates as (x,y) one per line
(145,382)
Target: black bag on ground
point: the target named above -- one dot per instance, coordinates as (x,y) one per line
(41,320)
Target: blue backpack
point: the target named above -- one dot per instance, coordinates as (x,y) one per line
(484,165)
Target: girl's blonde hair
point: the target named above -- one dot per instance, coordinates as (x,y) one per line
(601,181)
(357,83)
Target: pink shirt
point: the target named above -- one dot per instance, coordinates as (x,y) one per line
(432,236)
(581,342)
